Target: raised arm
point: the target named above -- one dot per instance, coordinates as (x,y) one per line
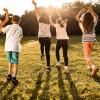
(2,23)
(36,10)
(79,14)
(50,16)
(6,18)
(93,13)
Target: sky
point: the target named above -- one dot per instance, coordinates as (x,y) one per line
(19,6)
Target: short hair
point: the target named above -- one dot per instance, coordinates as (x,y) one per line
(16,19)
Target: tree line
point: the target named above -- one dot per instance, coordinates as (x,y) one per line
(30,25)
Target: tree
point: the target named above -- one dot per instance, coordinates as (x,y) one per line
(29,23)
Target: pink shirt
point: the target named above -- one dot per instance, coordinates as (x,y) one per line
(61,32)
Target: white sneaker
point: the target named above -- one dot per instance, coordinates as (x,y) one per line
(57,63)
(89,68)
(66,69)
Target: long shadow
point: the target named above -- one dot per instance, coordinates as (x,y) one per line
(46,95)
(37,87)
(97,79)
(3,87)
(73,88)
(9,92)
(63,95)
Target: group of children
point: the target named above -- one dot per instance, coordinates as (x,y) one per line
(87,19)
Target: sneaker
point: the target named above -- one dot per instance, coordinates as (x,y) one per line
(9,78)
(14,81)
(48,68)
(94,70)
(57,63)
(89,68)
(66,69)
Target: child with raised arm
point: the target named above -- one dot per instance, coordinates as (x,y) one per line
(44,36)
(12,47)
(62,40)
(87,19)
(2,23)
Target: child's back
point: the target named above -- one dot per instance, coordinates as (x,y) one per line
(13,37)
(12,47)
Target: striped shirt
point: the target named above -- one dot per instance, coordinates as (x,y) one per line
(91,36)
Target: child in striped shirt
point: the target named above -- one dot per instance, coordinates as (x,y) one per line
(87,19)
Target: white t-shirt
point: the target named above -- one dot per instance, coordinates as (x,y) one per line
(61,32)
(13,37)
(44,30)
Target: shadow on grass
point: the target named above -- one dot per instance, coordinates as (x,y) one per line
(63,95)
(46,94)
(73,88)
(9,92)
(37,87)
(3,87)
(97,79)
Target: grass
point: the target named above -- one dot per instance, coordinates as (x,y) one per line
(37,84)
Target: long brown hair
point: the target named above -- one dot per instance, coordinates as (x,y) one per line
(44,18)
(88,22)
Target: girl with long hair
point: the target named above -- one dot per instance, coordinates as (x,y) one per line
(87,19)
(44,36)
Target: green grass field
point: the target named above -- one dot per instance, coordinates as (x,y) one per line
(37,84)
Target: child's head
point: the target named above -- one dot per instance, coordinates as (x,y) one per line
(44,18)
(60,22)
(16,19)
(88,21)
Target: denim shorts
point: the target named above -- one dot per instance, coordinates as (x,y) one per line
(13,57)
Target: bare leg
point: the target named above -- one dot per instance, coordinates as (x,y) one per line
(14,70)
(10,69)
(87,52)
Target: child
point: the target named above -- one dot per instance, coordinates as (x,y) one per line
(62,40)
(12,47)
(44,36)
(87,19)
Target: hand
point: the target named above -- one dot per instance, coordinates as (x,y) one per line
(5,10)
(83,9)
(34,3)
(90,8)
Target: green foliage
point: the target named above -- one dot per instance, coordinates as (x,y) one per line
(29,23)
(36,84)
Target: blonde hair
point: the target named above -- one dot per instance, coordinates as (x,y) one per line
(60,22)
